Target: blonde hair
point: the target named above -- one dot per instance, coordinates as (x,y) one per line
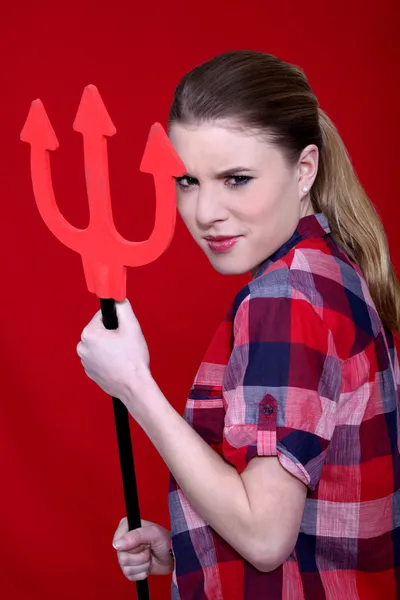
(355,223)
(271,95)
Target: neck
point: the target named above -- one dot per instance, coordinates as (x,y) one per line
(306,212)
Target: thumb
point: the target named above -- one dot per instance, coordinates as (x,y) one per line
(147,535)
(126,317)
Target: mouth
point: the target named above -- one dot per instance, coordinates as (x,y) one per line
(221,243)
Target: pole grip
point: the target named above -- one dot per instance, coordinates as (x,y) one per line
(121,416)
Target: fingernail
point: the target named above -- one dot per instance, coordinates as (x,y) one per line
(117,545)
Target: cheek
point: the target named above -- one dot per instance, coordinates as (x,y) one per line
(186,205)
(255,207)
(267,202)
(186,212)
(182,209)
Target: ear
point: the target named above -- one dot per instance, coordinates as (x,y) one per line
(307,169)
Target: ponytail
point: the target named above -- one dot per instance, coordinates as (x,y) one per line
(354,222)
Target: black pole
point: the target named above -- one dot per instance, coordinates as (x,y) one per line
(121,416)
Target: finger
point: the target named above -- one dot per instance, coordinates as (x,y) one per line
(129,541)
(137,549)
(133,575)
(80,350)
(90,327)
(125,314)
(147,523)
(121,529)
(130,559)
(136,537)
(97,321)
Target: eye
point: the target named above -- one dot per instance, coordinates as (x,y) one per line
(232,181)
(185,182)
(238,180)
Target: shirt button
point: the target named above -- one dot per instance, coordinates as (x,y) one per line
(268,410)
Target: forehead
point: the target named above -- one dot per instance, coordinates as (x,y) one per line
(213,147)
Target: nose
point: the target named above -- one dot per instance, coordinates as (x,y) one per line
(210,208)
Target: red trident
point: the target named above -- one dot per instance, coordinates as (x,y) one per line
(105,253)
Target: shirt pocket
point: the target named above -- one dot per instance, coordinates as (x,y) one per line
(205,412)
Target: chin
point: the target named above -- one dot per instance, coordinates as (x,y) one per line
(227,269)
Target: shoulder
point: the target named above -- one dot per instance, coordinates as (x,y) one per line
(315,280)
(338,290)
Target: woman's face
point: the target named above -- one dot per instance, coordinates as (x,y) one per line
(240,199)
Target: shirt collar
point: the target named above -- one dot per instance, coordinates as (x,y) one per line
(311,226)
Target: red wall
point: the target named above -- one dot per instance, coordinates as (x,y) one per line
(61,496)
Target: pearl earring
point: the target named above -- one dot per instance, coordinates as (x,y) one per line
(305,190)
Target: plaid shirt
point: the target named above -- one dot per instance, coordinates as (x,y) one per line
(302,369)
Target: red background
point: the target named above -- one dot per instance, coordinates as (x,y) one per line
(61,495)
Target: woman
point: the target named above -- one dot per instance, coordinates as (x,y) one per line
(285,467)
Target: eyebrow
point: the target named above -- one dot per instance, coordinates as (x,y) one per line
(226,172)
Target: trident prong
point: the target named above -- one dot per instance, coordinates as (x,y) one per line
(105,253)
(39,133)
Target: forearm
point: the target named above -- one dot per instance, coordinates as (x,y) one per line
(212,486)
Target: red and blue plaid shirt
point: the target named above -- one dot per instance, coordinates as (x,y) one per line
(302,368)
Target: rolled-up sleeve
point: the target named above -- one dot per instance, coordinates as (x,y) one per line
(282,382)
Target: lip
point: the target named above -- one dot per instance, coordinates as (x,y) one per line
(220,238)
(222,243)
